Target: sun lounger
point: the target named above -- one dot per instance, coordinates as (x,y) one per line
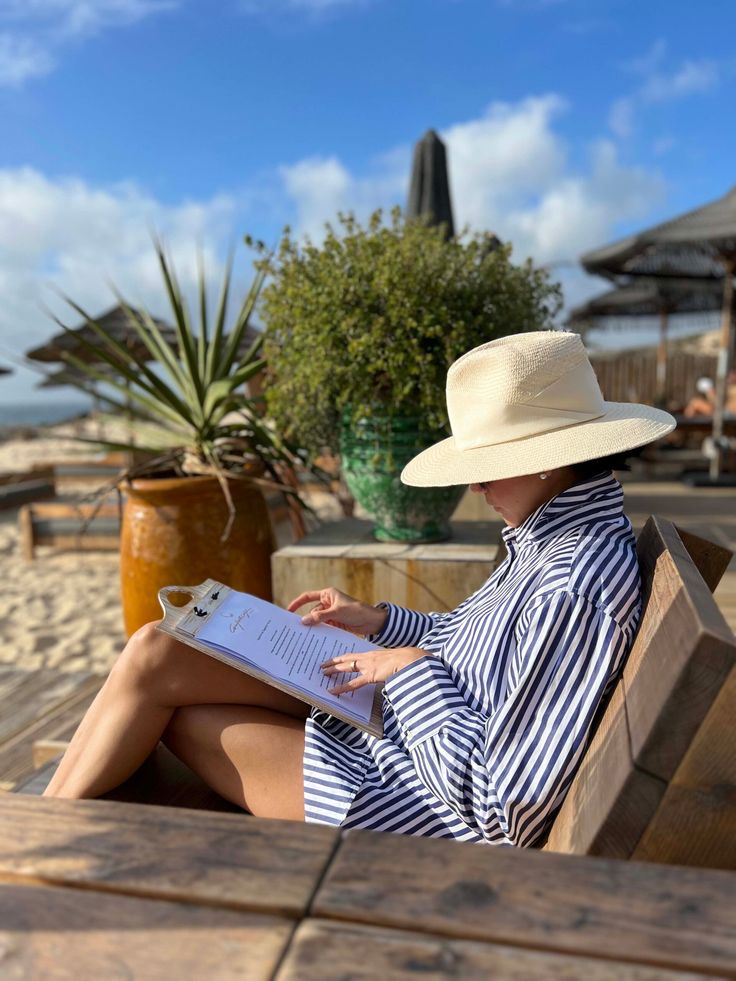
(69,524)
(92,472)
(30,485)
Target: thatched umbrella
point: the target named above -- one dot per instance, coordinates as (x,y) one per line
(429,189)
(701,244)
(114,322)
(67,376)
(652,297)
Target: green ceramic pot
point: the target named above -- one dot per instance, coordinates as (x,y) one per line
(374,451)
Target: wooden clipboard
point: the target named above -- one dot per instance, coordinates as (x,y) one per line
(184,622)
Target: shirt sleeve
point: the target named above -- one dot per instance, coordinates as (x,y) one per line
(504,773)
(403,627)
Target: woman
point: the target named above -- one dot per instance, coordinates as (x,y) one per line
(486,708)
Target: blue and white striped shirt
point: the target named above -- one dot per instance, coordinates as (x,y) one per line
(483,735)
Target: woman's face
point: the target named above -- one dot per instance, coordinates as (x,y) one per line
(517,497)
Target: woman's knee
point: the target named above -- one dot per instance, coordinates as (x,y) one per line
(146,658)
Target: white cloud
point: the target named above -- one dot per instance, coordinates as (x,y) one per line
(509,174)
(621,118)
(319,187)
(35,31)
(692,77)
(663,145)
(20,59)
(76,238)
(657,85)
(308,6)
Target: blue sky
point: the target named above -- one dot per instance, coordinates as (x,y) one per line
(568,123)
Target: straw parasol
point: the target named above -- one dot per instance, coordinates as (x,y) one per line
(429,189)
(652,297)
(66,376)
(115,322)
(698,244)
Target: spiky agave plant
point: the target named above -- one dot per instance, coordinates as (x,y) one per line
(208,425)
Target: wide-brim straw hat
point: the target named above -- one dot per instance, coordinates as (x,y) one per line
(525,404)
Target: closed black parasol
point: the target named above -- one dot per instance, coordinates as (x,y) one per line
(429,190)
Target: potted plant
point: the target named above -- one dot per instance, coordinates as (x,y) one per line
(360,332)
(195,507)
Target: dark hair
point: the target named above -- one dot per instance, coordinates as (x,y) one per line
(589,468)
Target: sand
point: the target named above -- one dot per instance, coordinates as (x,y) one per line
(62,610)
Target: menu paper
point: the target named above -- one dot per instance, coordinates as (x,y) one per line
(274,645)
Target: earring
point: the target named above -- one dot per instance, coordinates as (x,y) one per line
(543,476)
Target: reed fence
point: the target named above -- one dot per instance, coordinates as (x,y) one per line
(631,376)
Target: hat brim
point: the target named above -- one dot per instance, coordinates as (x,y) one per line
(623,426)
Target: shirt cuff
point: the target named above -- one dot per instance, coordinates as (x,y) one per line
(424,697)
(402,628)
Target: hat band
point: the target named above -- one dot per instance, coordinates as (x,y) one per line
(506,423)
(477,420)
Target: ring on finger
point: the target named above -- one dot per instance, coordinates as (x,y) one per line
(355,665)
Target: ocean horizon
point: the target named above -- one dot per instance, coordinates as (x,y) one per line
(41,413)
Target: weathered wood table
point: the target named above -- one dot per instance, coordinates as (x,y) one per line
(97,889)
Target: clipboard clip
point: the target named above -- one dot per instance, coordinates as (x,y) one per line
(203,599)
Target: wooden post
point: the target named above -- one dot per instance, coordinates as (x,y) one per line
(724,365)
(661,386)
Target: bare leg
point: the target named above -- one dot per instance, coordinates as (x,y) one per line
(153,676)
(251,756)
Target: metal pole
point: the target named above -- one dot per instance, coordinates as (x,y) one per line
(724,365)
(661,396)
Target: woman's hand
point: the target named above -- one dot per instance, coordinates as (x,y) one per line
(340,610)
(371,667)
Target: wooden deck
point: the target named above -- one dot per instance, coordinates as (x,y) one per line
(38,705)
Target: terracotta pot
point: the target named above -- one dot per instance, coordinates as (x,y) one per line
(171,536)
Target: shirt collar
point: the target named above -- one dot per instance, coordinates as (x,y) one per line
(594,498)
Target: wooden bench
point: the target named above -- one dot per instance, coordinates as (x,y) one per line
(69,524)
(658,779)
(89,470)
(31,485)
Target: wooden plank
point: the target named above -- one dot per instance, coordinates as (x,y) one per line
(422,577)
(60,722)
(73,509)
(46,750)
(610,802)
(680,658)
(682,655)
(54,933)
(327,951)
(695,823)
(36,693)
(88,541)
(711,559)
(680,919)
(165,853)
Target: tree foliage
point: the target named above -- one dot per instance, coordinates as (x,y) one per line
(377,314)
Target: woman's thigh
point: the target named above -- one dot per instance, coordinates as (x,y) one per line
(251,756)
(178,675)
